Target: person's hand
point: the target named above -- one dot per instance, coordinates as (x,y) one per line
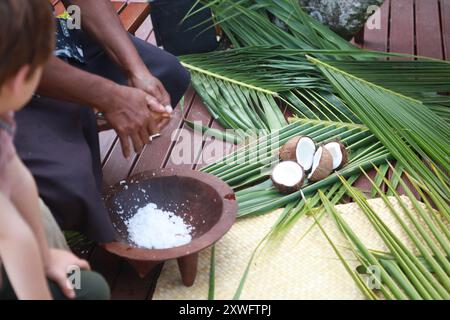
(150,84)
(145,81)
(131,112)
(58,264)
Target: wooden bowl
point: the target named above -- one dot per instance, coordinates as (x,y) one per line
(202,200)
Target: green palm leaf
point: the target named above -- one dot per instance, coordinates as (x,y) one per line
(404,125)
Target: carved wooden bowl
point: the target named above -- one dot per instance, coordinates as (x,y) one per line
(202,200)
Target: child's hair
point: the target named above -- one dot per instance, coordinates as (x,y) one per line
(26,35)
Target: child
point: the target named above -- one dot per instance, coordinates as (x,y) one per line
(29,268)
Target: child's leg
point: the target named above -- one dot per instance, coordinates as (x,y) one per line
(20,256)
(92,287)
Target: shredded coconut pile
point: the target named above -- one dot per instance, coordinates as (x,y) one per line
(153,228)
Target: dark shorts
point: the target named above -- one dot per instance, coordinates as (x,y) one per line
(92,286)
(58,142)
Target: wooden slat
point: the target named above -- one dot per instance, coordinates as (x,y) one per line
(59,8)
(134,15)
(377,39)
(445,19)
(428,29)
(144,31)
(189,144)
(213,149)
(119,5)
(152,38)
(117,167)
(401,37)
(107,140)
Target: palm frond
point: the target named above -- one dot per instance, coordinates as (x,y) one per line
(404,275)
(404,125)
(422,80)
(248,23)
(252,164)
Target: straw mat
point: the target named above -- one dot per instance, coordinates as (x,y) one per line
(301,266)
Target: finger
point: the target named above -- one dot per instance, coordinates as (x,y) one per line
(144,135)
(137,142)
(169,109)
(125,143)
(83,264)
(66,287)
(153,126)
(163,123)
(152,90)
(154,105)
(165,97)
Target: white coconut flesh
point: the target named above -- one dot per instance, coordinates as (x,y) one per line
(287,173)
(305,152)
(336,153)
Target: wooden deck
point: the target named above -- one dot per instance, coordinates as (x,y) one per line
(407,26)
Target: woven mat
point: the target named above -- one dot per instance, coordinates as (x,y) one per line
(308,269)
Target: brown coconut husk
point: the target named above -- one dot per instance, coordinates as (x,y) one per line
(344,152)
(324,168)
(288,151)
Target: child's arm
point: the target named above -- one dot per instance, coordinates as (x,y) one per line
(25,197)
(20,255)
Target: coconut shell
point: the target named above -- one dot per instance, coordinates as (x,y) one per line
(288,150)
(344,152)
(288,189)
(282,188)
(344,155)
(324,168)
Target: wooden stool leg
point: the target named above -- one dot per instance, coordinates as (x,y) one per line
(188,268)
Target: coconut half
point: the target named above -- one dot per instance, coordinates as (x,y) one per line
(300,149)
(322,165)
(338,152)
(288,176)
